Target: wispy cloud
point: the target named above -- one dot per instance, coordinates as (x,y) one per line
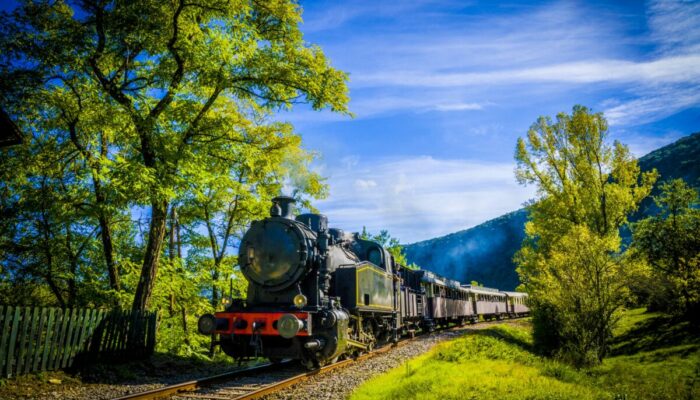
(458,107)
(675,25)
(443,48)
(332,15)
(416,198)
(458,82)
(666,70)
(640,145)
(652,106)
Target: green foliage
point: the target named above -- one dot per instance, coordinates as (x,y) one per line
(498,362)
(670,243)
(150,145)
(570,262)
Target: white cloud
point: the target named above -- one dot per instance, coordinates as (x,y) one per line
(675,25)
(420,197)
(458,107)
(641,145)
(541,50)
(365,184)
(665,70)
(369,106)
(336,15)
(652,106)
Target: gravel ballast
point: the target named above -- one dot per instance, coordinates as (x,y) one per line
(339,383)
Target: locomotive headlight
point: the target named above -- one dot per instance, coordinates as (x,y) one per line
(299,300)
(251,253)
(206,324)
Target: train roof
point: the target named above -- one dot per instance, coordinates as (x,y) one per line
(516,294)
(483,290)
(436,279)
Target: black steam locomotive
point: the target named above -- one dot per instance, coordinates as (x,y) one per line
(317,293)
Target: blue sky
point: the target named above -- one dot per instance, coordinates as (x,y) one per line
(442,89)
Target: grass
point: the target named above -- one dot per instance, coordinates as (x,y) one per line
(652,357)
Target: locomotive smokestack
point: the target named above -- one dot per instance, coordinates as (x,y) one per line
(283,206)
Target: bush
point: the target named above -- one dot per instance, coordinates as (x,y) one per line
(546,328)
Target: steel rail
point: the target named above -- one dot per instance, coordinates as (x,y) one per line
(181,389)
(275,387)
(177,388)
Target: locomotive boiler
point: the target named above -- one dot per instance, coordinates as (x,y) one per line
(315,293)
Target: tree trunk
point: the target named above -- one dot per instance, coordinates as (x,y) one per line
(177,234)
(214,291)
(149,270)
(184,324)
(108,250)
(171,235)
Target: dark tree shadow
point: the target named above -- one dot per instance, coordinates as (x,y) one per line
(653,334)
(506,337)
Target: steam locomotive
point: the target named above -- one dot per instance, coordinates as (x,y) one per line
(317,293)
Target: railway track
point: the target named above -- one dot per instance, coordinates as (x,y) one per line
(256,382)
(250,383)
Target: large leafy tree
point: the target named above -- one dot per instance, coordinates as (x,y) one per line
(670,243)
(570,262)
(149,95)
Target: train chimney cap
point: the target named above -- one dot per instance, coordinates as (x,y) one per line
(283,206)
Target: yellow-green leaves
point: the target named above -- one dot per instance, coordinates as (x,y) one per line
(136,109)
(670,243)
(570,261)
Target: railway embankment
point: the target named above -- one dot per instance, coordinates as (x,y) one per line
(653,357)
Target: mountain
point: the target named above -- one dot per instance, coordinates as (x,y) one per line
(484,253)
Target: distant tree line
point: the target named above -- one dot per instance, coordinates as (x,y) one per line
(572,261)
(150,144)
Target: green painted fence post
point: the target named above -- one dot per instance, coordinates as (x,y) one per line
(38,351)
(13,340)
(50,328)
(28,359)
(7,317)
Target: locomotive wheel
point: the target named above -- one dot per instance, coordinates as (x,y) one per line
(230,349)
(310,363)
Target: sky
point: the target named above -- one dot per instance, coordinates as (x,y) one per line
(441,90)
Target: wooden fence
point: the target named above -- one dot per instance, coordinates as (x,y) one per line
(44,339)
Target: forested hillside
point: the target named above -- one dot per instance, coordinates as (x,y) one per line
(484,253)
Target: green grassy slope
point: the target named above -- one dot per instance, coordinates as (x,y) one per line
(653,358)
(484,253)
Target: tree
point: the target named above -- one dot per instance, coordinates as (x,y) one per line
(150,93)
(570,262)
(670,243)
